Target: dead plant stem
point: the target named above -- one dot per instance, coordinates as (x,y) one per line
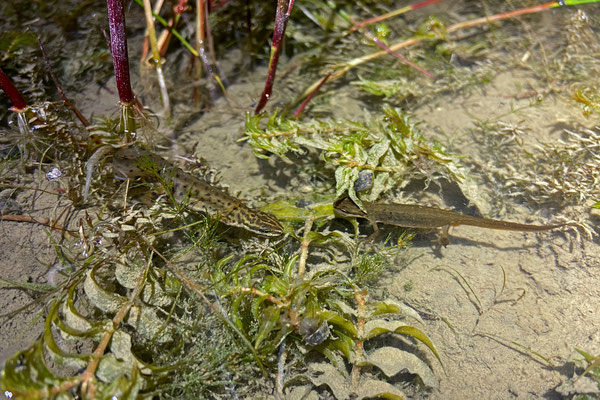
(304,249)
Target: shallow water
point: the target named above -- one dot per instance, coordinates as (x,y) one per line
(495,299)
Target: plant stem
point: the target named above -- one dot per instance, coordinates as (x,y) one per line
(199,46)
(164,94)
(19,104)
(304,249)
(42,221)
(13,94)
(281,18)
(164,23)
(157,7)
(202,33)
(312,94)
(395,13)
(118,47)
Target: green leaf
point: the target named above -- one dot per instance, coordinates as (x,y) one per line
(381,183)
(338,321)
(344,344)
(35,287)
(392,307)
(104,300)
(275,285)
(270,319)
(377,151)
(378,327)
(127,386)
(26,376)
(13,41)
(317,237)
(588,357)
(385,88)
(58,355)
(390,146)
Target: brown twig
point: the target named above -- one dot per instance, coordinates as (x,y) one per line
(304,248)
(42,221)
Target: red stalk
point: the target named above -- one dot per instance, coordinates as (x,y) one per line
(423,4)
(498,17)
(395,13)
(13,94)
(310,96)
(281,19)
(118,47)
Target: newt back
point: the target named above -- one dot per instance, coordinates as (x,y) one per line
(198,194)
(423,217)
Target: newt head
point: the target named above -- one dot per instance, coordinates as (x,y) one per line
(346,208)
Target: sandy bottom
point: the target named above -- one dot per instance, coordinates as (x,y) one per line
(494,300)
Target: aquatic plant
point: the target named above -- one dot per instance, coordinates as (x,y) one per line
(149,302)
(386,152)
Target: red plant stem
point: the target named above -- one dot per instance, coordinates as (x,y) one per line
(13,94)
(310,96)
(281,19)
(423,4)
(397,12)
(497,17)
(118,47)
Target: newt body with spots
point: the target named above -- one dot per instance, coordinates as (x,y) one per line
(198,194)
(423,217)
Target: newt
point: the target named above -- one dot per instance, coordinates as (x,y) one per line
(424,217)
(198,194)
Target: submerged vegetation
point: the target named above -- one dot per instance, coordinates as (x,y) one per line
(389,151)
(151,298)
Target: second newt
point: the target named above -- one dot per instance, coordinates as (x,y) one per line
(423,217)
(198,194)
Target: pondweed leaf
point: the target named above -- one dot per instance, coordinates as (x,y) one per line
(391,361)
(377,327)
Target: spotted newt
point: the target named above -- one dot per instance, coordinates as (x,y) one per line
(198,194)
(423,217)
